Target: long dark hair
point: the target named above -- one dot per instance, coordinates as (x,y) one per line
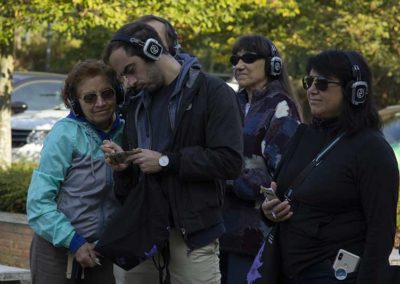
(336,63)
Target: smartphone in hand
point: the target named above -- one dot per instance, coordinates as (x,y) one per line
(120,157)
(268,193)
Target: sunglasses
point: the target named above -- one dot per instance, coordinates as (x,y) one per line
(248,57)
(106,95)
(320,82)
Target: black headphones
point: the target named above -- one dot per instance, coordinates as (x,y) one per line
(357,89)
(151,48)
(75,105)
(274,68)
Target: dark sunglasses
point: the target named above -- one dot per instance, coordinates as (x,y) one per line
(91,98)
(248,57)
(320,82)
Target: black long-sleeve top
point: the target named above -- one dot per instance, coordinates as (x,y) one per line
(347,202)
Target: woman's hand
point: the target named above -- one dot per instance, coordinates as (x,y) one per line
(276,210)
(86,256)
(110,147)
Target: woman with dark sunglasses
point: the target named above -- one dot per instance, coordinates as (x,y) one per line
(70,198)
(338,224)
(270,119)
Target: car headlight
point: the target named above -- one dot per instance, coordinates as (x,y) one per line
(37,136)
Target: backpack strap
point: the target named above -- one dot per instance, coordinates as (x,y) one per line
(291,147)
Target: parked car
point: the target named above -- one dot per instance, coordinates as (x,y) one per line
(391,127)
(391,130)
(36,105)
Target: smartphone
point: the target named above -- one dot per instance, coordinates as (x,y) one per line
(120,157)
(268,193)
(346,261)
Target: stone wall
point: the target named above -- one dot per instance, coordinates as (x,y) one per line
(15,240)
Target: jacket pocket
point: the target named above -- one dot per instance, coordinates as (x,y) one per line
(201,196)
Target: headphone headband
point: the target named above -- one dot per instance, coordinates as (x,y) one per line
(173,36)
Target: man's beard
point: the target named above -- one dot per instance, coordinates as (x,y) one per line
(155,80)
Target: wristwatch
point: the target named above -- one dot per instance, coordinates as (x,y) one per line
(163,161)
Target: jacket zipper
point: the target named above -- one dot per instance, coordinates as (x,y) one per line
(179,117)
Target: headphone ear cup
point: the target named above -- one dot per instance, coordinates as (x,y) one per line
(73,101)
(275,66)
(75,106)
(152,49)
(356,92)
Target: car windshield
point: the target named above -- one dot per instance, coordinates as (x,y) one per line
(39,95)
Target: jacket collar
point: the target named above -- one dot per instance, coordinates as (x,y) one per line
(270,90)
(102,134)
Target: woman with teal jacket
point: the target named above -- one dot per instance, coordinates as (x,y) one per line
(70,198)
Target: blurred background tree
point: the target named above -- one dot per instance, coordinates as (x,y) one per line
(30,29)
(52,35)
(208,28)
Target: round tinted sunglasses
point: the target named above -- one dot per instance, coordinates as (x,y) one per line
(106,94)
(320,82)
(248,57)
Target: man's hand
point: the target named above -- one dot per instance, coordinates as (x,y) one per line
(147,160)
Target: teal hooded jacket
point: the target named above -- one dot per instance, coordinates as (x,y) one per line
(71,191)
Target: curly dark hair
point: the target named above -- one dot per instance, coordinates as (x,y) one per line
(86,69)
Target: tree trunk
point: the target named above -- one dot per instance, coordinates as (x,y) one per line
(6,72)
(6,69)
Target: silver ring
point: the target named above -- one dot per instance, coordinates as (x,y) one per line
(273,214)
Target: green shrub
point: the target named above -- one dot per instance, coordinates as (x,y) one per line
(14,184)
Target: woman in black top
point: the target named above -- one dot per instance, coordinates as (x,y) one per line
(349,200)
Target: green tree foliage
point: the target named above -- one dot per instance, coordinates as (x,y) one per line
(370,27)
(206,28)
(70,19)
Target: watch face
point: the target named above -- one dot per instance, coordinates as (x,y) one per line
(163,161)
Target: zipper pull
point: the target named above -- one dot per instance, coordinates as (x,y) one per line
(183,231)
